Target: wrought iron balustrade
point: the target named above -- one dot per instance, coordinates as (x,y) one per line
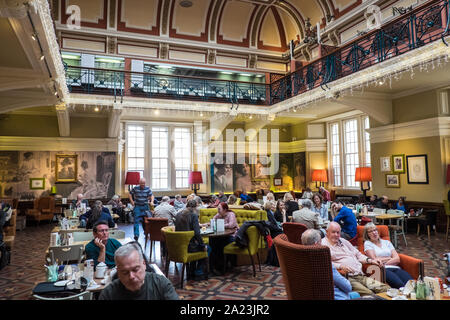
(423,25)
(139,84)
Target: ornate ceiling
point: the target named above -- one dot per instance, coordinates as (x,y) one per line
(233,33)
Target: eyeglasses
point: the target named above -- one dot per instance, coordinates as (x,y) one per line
(373,230)
(103,231)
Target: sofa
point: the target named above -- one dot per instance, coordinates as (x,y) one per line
(242,215)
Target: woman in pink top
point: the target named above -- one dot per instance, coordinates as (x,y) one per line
(218,243)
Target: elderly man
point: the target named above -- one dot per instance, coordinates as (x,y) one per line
(178,204)
(165,210)
(139,197)
(346,218)
(342,287)
(348,259)
(102,248)
(306,216)
(117,207)
(133,282)
(383,203)
(222,197)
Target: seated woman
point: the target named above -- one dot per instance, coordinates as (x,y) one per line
(290,204)
(187,220)
(280,212)
(401,205)
(218,243)
(97,214)
(270,196)
(376,248)
(275,230)
(319,207)
(307,194)
(232,199)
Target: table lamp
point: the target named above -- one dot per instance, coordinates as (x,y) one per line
(320,175)
(195,178)
(364,174)
(132,178)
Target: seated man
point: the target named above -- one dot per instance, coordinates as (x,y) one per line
(342,287)
(97,213)
(117,207)
(165,210)
(383,203)
(346,218)
(85,216)
(245,198)
(133,282)
(306,216)
(178,204)
(222,197)
(348,259)
(102,248)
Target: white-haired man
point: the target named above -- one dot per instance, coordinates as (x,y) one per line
(133,282)
(139,198)
(165,210)
(347,258)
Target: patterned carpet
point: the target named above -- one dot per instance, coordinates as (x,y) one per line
(27,260)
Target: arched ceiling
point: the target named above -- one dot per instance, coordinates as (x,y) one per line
(255,24)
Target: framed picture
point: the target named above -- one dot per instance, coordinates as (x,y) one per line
(385,164)
(398,161)
(393,181)
(277,181)
(66,168)
(37,183)
(260,166)
(417,169)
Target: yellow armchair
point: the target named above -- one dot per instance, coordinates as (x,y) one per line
(177,250)
(254,239)
(242,215)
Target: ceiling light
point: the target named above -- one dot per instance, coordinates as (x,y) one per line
(226,72)
(42,57)
(96,109)
(245,74)
(69,56)
(156,111)
(33,36)
(380,83)
(56,93)
(250,117)
(165,67)
(201,114)
(295,110)
(260,75)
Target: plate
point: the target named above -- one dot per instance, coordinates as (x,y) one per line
(61,283)
(400,298)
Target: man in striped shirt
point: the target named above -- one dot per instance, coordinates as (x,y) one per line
(139,197)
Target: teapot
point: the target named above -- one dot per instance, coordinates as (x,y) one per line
(100,270)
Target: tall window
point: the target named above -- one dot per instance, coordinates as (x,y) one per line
(135,149)
(349,148)
(350,151)
(366,141)
(335,154)
(182,156)
(160,158)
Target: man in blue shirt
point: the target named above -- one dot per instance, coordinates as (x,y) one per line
(102,248)
(346,218)
(342,286)
(245,197)
(139,197)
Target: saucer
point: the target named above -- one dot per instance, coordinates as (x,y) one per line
(61,283)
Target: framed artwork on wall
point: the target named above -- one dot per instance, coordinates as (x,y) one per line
(385,164)
(66,168)
(277,181)
(392,181)
(37,183)
(398,161)
(417,169)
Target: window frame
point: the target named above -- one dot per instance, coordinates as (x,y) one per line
(148,168)
(361,147)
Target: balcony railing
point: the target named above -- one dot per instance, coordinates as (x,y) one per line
(412,30)
(140,84)
(423,25)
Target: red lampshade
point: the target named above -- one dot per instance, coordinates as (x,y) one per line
(320,175)
(195,177)
(448,173)
(363,174)
(133,178)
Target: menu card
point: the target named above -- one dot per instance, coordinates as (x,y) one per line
(220,225)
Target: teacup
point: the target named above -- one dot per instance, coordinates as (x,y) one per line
(392,292)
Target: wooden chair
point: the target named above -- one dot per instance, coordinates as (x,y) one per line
(43,209)
(428,220)
(306,270)
(67,253)
(117,234)
(85,295)
(399,227)
(152,230)
(294,231)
